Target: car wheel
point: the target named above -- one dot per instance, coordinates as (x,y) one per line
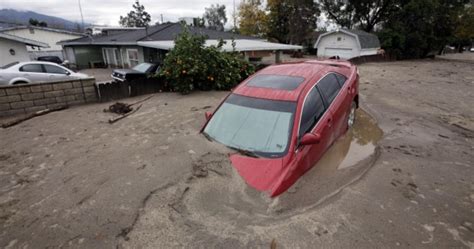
(352,115)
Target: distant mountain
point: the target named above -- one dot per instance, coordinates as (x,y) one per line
(11,16)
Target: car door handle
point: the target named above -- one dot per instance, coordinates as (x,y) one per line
(329,122)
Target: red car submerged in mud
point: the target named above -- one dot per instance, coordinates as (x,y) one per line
(283,118)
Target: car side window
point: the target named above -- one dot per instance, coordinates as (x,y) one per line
(313,109)
(54,69)
(32,68)
(341,79)
(329,87)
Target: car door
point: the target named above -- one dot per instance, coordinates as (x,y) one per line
(56,73)
(317,120)
(33,72)
(330,88)
(346,93)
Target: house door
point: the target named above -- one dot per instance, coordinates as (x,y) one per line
(70,56)
(110,57)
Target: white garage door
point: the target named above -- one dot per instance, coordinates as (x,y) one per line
(344,53)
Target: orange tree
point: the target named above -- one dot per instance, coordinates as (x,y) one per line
(191,65)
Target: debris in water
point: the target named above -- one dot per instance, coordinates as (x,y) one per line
(113,120)
(123,108)
(199,170)
(273,245)
(32,115)
(201,108)
(120,108)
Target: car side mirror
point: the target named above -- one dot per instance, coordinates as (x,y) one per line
(68,73)
(208,115)
(310,138)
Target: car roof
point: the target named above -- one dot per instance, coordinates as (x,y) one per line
(311,71)
(38,62)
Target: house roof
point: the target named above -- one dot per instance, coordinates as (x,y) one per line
(366,40)
(241,45)
(162,32)
(41,28)
(23,40)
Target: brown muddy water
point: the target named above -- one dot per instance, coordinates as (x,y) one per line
(225,205)
(345,161)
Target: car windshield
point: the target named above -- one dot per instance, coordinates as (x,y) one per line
(9,65)
(259,126)
(143,67)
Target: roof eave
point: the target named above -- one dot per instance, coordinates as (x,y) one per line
(25,41)
(43,28)
(97,43)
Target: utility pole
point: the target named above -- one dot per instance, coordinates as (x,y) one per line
(82,17)
(235,17)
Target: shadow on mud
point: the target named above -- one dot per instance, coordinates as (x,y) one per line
(225,195)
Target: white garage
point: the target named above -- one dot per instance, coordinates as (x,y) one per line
(347,44)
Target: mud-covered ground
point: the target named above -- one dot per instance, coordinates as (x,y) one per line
(70,179)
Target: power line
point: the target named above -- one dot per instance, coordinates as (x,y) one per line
(82,17)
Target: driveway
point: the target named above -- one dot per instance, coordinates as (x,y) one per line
(100,74)
(71,179)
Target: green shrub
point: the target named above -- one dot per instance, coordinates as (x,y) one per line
(190,65)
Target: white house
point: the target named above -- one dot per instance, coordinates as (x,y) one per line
(347,44)
(13,48)
(45,35)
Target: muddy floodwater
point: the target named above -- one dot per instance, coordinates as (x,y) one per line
(70,179)
(223,203)
(345,161)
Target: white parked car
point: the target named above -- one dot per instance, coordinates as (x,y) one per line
(35,72)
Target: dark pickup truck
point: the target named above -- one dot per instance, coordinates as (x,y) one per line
(137,72)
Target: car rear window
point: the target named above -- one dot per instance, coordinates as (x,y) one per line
(280,82)
(54,69)
(32,68)
(341,78)
(10,65)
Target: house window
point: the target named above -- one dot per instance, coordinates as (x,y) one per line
(339,38)
(132,55)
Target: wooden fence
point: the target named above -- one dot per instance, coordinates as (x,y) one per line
(371,58)
(115,90)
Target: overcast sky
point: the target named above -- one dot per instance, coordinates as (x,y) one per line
(108,11)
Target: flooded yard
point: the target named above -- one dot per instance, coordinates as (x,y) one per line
(402,175)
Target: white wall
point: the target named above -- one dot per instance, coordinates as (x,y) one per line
(48,37)
(331,42)
(21,54)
